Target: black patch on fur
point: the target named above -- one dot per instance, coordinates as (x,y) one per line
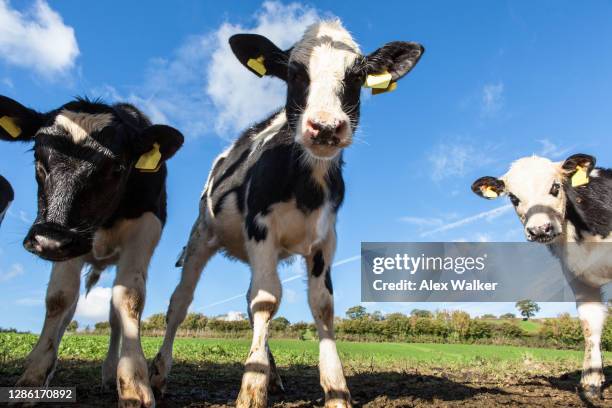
(254,229)
(297,92)
(589,207)
(230,170)
(328,281)
(351,91)
(318,263)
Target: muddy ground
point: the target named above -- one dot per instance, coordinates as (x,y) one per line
(215,385)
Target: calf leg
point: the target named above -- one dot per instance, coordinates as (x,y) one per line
(138,240)
(109,367)
(61,298)
(321,300)
(275,385)
(592,317)
(199,250)
(592,314)
(264,299)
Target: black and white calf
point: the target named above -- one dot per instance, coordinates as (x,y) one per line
(568,206)
(101,200)
(276,191)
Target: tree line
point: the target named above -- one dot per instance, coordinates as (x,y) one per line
(441,326)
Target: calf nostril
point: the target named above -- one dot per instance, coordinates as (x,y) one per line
(340,126)
(312,125)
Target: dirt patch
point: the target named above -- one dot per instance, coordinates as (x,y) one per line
(217,385)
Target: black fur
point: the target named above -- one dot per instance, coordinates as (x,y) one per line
(589,207)
(92,184)
(328,281)
(318,263)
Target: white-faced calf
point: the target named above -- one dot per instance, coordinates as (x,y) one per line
(276,191)
(101,200)
(568,206)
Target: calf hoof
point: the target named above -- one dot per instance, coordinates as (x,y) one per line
(253,392)
(135,393)
(338,399)
(591,392)
(158,376)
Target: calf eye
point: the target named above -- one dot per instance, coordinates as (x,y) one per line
(554,190)
(514,199)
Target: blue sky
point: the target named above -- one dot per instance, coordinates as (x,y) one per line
(499,80)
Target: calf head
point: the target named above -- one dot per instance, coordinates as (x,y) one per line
(84,153)
(538,189)
(324,72)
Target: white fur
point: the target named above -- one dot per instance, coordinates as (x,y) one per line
(80,125)
(327,50)
(530,180)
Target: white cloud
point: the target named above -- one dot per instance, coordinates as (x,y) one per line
(239,96)
(36,39)
(492,98)
(553,150)
(202,88)
(30,301)
(455,159)
(8,83)
(290,295)
(233,316)
(14,271)
(95,306)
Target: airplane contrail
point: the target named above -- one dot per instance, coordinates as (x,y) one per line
(491,214)
(289,279)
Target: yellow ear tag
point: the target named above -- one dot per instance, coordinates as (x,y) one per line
(392,87)
(9,125)
(580,177)
(150,161)
(488,192)
(378,81)
(257,65)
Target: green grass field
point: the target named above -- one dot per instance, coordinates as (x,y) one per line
(289,352)
(208,372)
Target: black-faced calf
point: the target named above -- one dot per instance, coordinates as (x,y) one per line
(101,177)
(567,206)
(276,191)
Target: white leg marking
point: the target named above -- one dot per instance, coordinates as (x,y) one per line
(139,238)
(321,302)
(62,294)
(264,299)
(592,317)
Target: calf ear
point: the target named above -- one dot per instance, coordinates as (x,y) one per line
(389,64)
(489,187)
(578,167)
(156,144)
(18,123)
(260,55)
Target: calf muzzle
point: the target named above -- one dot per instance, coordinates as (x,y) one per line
(54,242)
